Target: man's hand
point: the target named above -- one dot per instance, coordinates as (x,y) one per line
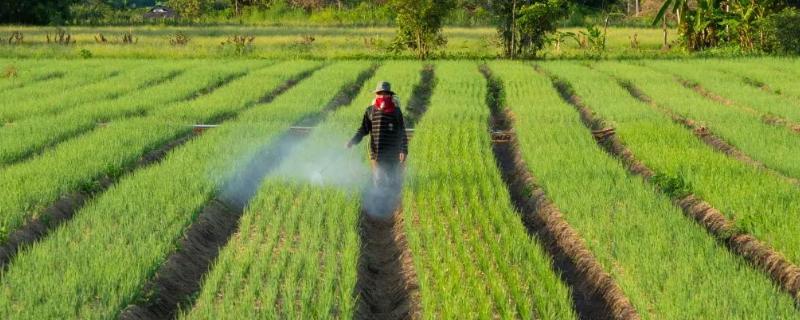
(349,144)
(402,158)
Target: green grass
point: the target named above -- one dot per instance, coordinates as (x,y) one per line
(664,262)
(473,257)
(76,75)
(286,43)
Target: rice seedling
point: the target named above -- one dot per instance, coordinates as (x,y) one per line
(28,136)
(639,237)
(121,252)
(468,245)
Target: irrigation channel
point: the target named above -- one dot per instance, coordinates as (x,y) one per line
(178,280)
(783,272)
(595,295)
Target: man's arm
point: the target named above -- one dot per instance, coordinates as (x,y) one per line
(365,129)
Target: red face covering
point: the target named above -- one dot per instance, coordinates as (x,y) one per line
(384,103)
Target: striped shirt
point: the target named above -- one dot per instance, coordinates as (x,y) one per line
(387,133)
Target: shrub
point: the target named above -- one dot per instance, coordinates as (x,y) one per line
(782,32)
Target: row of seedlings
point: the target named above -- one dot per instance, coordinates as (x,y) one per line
(97,264)
(664,263)
(730,90)
(472,256)
(752,72)
(32,135)
(750,202)
(18,74)
(135,78)
(774,146)
(296,252)
(82,164)
(759,203)
(75,76)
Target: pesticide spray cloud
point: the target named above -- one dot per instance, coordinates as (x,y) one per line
(321,160)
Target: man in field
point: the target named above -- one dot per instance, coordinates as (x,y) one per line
(388,147)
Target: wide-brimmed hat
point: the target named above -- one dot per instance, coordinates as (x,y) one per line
(384,86)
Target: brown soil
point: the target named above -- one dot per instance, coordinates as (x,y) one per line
(181,274)
(595,294)
(64,208)
(779,269)
(178,280)
(704,134)
(387,286)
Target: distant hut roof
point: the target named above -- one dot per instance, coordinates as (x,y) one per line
(161,12)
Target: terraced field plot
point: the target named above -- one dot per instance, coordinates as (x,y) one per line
(202,189)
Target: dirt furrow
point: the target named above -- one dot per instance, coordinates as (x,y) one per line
(783,272)
(179,278)
(65,207)
(703,133)
(769,119)
(387,286)
(595,294)
(387,283)
(420,96)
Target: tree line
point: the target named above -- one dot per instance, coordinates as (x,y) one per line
(524,27)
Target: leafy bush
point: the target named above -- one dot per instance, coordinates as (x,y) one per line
(783,32)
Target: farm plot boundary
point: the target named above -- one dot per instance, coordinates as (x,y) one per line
(784,273)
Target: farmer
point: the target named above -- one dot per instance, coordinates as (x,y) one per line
(388,147)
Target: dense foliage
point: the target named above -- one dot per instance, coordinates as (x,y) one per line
(711,23)
(34,11)
(783,32)
(420,23)
(524,24)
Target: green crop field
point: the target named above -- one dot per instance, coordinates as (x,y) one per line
(222,188)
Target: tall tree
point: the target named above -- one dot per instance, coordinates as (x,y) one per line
(523,25)
(420,23)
